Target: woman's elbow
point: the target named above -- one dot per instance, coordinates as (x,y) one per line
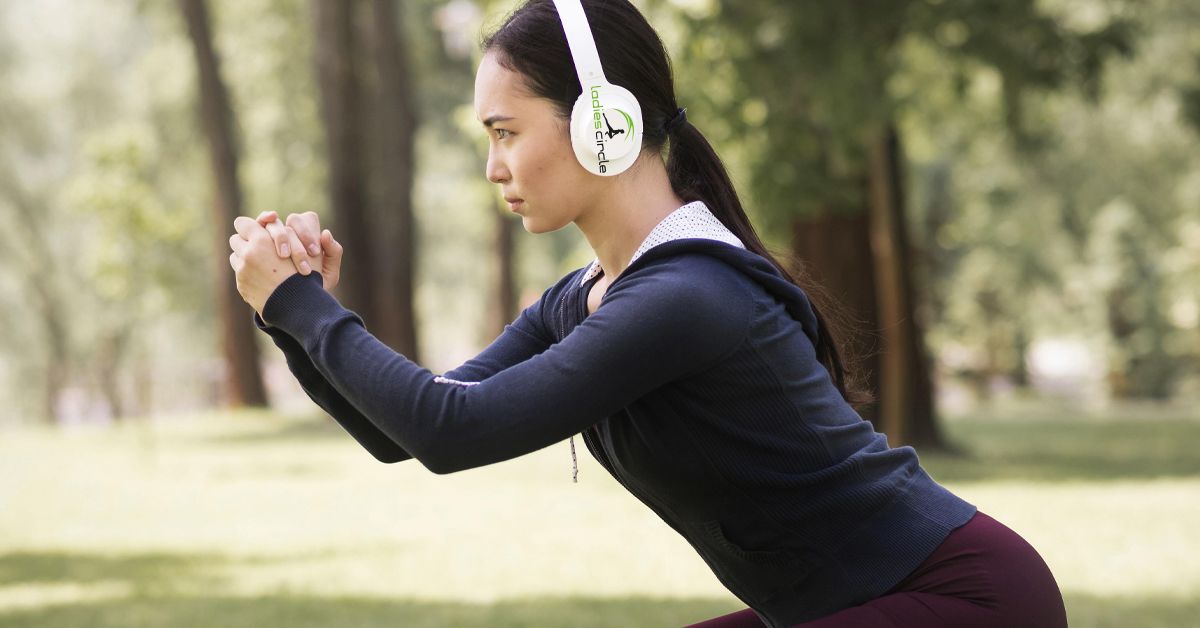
(440,465)
(389,455)
(441,461)
(392,458)
(443,456)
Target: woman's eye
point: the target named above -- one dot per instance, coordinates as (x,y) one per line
(502,133)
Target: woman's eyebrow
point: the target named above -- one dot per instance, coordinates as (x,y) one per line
(494,119)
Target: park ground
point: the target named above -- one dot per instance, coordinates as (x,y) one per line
(257,519)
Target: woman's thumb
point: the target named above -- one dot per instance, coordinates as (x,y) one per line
(329,245)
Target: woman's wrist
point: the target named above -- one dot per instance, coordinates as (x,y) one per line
(295,302)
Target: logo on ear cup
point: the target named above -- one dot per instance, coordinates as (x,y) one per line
(611,131)
(606,129)
(623,132)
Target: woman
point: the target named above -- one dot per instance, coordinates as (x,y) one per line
(697,371)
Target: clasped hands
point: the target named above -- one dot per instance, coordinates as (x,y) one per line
(266,252)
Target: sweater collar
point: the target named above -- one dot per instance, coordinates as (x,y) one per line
(693,220)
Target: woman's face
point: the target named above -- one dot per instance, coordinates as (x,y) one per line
(529,151)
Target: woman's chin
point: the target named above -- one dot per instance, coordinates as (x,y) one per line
(533,225)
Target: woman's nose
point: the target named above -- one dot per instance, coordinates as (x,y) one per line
(496,171)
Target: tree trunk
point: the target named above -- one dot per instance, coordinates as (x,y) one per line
(340,115)
(109,356)
(505,306)
(837,255)
(243,381)
(922,426)
(906,409)
(396,242)
(1020,370)
(1122,327)
(143,389)
(896,398)
(58,356)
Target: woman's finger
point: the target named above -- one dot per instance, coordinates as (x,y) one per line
(236,243)
(248,228)
(332,247)
(279,234)
(268,216)
(308,228)
(331,266)
(299,257)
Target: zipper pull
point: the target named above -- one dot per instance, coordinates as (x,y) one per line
(574,465)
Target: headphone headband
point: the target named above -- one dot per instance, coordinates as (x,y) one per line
(581,42)
(606,121)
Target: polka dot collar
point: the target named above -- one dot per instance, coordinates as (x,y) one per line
(693,220)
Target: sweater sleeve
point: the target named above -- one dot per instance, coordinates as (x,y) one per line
(329,399)
(521,339)
(653,326)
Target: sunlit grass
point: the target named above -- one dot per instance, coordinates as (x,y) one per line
(254,519)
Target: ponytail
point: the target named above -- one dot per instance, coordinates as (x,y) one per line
(698,174)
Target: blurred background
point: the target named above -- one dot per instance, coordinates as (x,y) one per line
(1003,195)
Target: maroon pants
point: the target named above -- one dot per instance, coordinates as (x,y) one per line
(983,575)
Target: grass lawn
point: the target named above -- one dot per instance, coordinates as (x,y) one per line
(261,520)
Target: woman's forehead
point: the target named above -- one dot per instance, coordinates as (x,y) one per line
(494,87)
(500,91)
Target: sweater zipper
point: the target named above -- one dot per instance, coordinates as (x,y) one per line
(562,333)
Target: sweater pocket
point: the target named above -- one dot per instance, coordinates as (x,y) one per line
(753,575)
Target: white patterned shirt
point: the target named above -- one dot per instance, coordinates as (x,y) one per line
(694,220)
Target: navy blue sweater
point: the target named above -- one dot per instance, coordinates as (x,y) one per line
(695,384)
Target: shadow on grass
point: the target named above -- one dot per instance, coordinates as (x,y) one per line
(143,573)
(1063,449)
(175,589)
(298,611)
(1091,611)
(184,590)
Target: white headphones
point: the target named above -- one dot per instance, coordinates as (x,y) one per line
(606,122)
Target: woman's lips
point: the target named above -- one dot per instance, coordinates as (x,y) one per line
(514,203)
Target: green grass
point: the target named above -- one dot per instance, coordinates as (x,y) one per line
(1059,450)
(259,520)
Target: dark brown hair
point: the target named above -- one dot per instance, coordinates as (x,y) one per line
(531,42)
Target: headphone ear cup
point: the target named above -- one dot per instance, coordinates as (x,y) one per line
(606,129)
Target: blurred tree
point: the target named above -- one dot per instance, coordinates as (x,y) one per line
(340,85)
(370,122)
(506,306)
(38,335)
(23,248)
(40,269)
(392,173)
(244,385)
(111,254)
(139,255)
(806,89)
(459,22)
(1071,225)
